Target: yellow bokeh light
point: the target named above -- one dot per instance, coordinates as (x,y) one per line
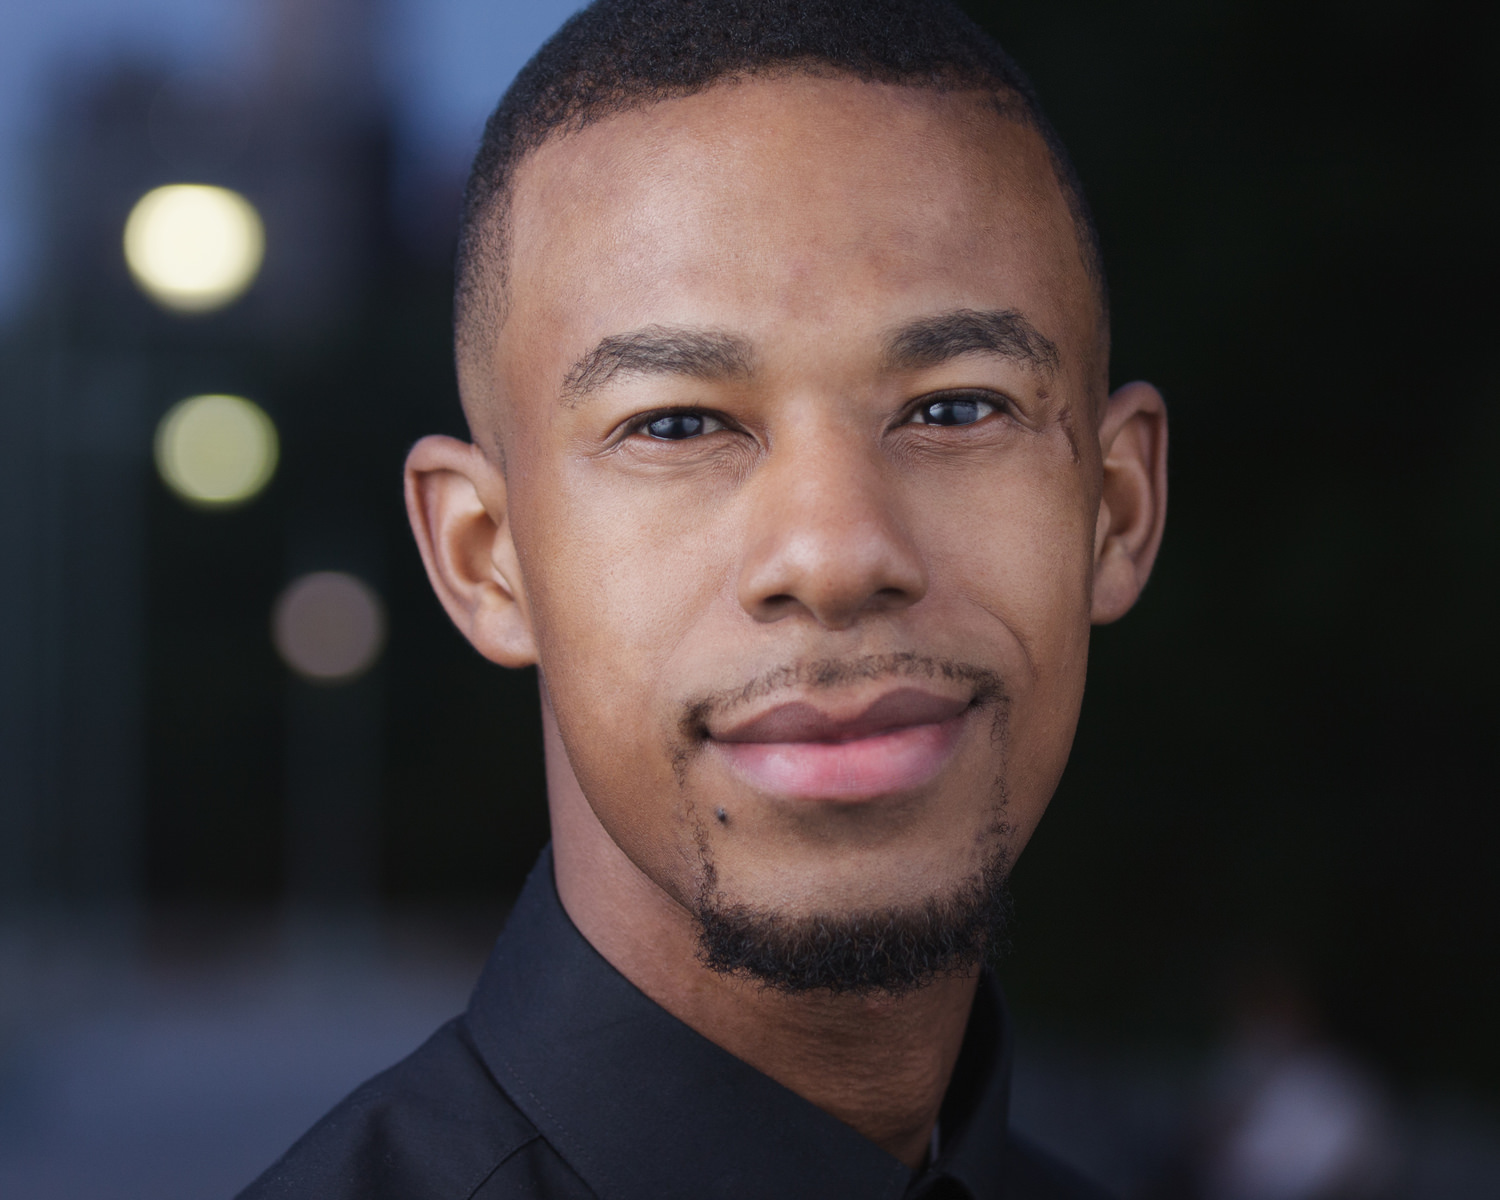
(194,248)
(216,451)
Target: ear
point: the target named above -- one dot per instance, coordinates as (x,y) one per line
(1133,499)
(456,500)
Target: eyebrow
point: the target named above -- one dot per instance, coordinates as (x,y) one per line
(704,354)
(932,341)
(713,355)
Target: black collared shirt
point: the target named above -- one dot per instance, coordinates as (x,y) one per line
(564,1080)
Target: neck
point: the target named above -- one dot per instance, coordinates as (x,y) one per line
(880,1064)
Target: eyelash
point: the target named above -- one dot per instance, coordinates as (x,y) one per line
(996,403)
(640,425)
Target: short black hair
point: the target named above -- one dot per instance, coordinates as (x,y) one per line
(617,55)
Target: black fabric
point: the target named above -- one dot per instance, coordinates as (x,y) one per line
(564,1080)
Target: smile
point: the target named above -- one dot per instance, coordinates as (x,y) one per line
(899,742)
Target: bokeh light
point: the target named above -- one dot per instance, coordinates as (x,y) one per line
(216,451)
(329,626)
(194,248)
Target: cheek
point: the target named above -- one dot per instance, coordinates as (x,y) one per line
(1016,539)
(617,575)
(1023,562)
(616,589)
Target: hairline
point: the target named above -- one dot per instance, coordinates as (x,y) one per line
(481,296)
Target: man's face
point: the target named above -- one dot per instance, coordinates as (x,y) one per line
(798,392)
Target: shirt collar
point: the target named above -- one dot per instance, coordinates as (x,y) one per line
(974,1121)
(638,1103)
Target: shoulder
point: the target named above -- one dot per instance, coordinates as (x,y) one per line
(1031,1173)
(435,1126)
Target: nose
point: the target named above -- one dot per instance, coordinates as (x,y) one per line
(827,539)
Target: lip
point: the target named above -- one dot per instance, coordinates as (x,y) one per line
(898,742)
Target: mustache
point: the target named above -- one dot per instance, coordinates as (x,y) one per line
(826,674)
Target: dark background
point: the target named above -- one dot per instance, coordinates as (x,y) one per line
(1287,751)
(1285,760)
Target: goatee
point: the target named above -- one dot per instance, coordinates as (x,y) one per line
(891,951)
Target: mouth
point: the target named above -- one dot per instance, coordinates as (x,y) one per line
(898,742)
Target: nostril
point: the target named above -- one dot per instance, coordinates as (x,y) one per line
(778,604)
(888,600)
(832,563)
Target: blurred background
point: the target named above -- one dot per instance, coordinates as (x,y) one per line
(262,810)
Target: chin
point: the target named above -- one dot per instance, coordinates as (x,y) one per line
(880,940)
(875,919)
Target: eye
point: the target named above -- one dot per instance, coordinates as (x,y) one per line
(953,410)
(678,426)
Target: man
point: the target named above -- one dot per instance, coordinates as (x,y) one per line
(783,341)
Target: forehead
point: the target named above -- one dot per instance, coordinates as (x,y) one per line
(791,210)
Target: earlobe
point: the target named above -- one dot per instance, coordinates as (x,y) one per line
(456,502)
(1133,498)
